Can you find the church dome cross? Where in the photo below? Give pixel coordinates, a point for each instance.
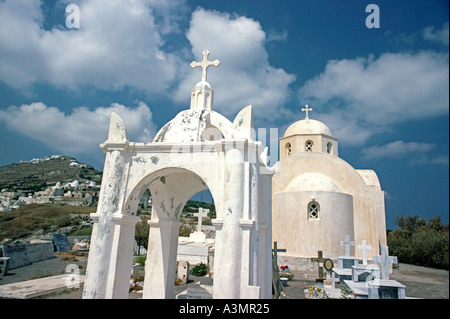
(204, 64)
(306, 109)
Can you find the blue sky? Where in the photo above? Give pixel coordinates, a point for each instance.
(382, 91)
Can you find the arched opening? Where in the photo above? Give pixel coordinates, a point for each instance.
(313, 210)
(288, 149)
(176, 196)
(329, 147)
(309, 146)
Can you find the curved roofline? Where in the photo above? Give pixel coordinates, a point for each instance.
(323, 129)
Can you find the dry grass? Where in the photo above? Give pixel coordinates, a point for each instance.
(27, 219)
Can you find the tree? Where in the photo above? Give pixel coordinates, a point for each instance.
(142, 231)
(417, 242)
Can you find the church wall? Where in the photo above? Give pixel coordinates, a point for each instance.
(303, 237)
(368, 200)
(334, 143)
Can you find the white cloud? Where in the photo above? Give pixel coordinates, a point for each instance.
(413, 153)
(244, 76)
(396, 149)
(430, 159)
(440, 35)
(374, 94)
(80, 132)
(117, 45)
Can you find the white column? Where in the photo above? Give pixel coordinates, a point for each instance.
(228, 243)
(265, 235)
(112, 195)
(121, 257)
(162, 252)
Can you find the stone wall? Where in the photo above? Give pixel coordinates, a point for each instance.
(25, 254)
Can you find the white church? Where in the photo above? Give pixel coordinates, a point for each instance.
(318, 198)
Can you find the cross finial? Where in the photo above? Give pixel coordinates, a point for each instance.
(204, 64)
(306, 109)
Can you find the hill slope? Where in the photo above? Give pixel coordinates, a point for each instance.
(36, 174)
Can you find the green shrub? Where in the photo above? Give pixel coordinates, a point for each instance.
(199, 270)
(141, 260)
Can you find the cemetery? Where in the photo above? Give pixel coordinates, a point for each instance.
(247, 253)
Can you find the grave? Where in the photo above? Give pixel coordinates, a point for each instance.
(386, 289)
(39, 249)
(367, 284)
(194, 252)
(43, 287)
(198, 236)
(319, 260)
(329, 285)
(197, 292)
(25, 254)
(61, 242)
(277, 285)
(4, 261)
(385, 261)
(18, 255)
(363, 273)
(364, 247)
(183, 271)
(345, 263)
(139, 250)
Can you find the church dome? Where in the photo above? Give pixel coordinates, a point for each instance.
(202, 85)
(307, 126)
(312, 182)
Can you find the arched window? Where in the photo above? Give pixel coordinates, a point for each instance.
(309, 146)
(329, 148)
(288, 149)
(313, 210)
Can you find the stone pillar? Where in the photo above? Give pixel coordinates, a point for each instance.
(228, 245)
(162, 252)
(265, 235)
(112, 195)
(121, 257)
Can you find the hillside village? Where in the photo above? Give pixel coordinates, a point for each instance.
(83, 191)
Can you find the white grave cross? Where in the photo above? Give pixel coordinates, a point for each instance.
(347, 243)
(364, 249)
(204, 64)
(384, 259)
(201, 213)
(333, 279)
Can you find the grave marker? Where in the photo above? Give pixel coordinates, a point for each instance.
(198, 236)
(364, 249)
(319, 260)
(183, 271)
(276, 282)
(385, 260)
(61, 242)
(4, 261)
(201, 213)
(347, 243)
(18, 255)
